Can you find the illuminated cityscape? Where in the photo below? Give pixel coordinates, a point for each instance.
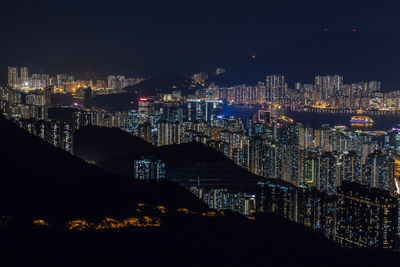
(310, 168)
(200, 134)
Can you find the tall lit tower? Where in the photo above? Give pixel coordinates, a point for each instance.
(12, 76)
(111, 82)
(24, 78)
(276, 88)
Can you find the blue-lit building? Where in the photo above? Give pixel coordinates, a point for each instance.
(203, 110)
(304, 205)
(149, 168)
(223, 199)
(366, 217)
(59, 134)
(279, 197)
(172, 111)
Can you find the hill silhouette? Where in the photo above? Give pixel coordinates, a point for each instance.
(39, 179)
(162, 83)
(357, 56)
(115, 151)
(95, 143)
(182, 241)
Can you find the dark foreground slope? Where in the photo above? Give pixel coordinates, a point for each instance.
(38, 179)
(182, 241)
(115, 150)
(44, 182)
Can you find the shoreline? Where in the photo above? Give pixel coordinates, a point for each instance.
(318, 110)
(382, 121)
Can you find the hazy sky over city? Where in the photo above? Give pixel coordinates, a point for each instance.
(146, 38)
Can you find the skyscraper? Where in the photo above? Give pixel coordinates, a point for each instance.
(378, 171)
(276, 88)
(64, 78)
(13, 76)
(329, 86)
(149, 168)
(199, 110)
(277, 196)
(39, 80)
(24, 78)
(200, 78)
(145, 107)
(47, 94)
(144, 131)
(165, 133)
(88, 101)
(116, 82)
(327, 178)
(366, 217)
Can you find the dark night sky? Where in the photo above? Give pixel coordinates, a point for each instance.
(144, 39)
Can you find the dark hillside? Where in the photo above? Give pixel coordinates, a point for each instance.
(39, 179)
(115, 151)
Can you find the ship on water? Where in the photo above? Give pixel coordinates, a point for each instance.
(361, 120)
(286, 119)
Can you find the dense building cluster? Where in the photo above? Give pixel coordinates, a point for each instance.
(295, 153)
(149, 168)
(366, 217)
(339, 181)
(326, 93)
(18, 78)
(119, 82)
(30, 111)
(223, 199)
(357, 216)
(316, 165)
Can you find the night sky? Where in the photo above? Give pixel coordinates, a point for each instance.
(144, 39)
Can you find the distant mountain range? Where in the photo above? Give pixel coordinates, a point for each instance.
(355, 55)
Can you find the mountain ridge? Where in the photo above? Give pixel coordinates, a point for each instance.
(186, 163)
(163, 83)
(358, 56)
